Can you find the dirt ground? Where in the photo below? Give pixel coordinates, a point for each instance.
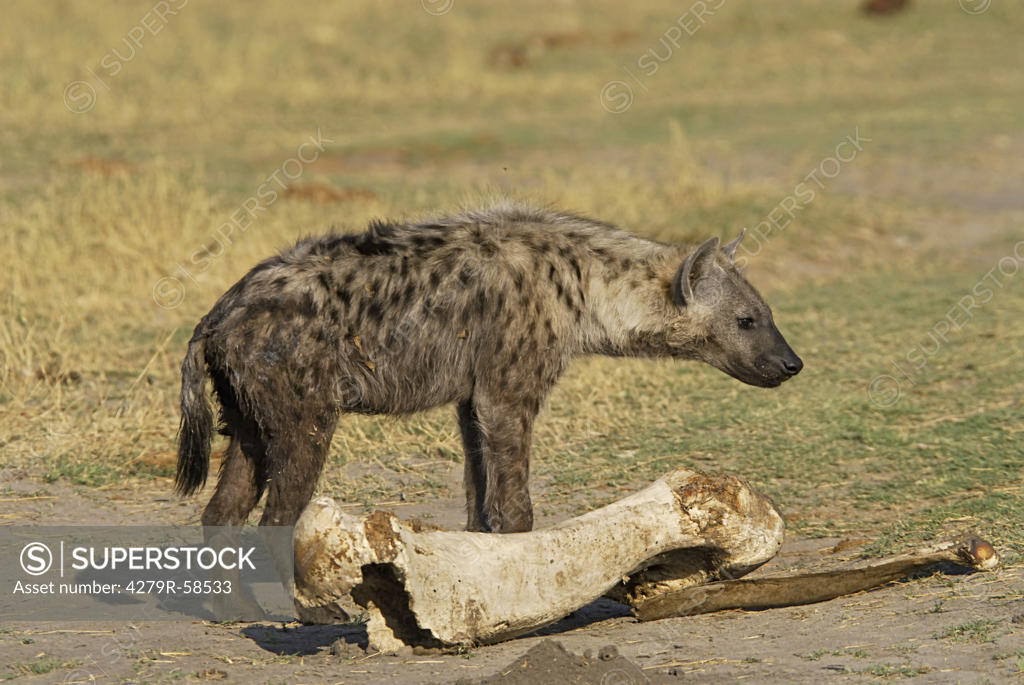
(951, 626)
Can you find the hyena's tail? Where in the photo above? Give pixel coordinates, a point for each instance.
(195, 433)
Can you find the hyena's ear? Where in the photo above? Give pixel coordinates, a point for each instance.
(692, 268)
(730, 248)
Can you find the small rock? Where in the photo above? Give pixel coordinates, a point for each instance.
(1019, 618)
(608, 652)
(341, 648)
(588, 654)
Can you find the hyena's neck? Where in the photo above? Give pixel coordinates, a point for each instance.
(631, 308)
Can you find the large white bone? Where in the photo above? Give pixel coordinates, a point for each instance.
(445, 588)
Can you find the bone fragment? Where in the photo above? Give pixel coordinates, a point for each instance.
(436, 588)
(807, 588)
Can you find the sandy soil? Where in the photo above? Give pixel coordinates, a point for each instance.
(947, 627)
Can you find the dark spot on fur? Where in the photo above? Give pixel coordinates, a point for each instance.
(424, 242)
(375, 312)
(307, 305)
(371, 245)
(383, 229)
(574, 263)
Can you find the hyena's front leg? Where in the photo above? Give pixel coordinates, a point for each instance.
(497, 437)
(475, 479)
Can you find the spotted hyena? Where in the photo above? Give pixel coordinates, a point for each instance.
(483, 309)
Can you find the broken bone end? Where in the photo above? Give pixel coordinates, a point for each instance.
(978, 553)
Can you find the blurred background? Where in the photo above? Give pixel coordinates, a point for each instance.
(151, 153)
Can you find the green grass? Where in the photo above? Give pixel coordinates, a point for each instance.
(979, 631)
(36, 667)
(818, 653)
(903, 671)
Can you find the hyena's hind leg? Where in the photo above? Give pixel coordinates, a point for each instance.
(242, 474)
(296, 457)
(239, 488)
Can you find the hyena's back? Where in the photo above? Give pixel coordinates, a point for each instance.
(406, 317)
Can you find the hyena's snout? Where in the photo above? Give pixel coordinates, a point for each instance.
(790, 363)
(782, 363)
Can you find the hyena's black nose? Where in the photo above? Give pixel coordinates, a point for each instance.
(792, 365)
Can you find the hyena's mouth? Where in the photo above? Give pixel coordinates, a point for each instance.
(772, 372)
(773, 382)
(760, 378)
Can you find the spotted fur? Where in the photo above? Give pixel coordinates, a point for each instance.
(484, 309)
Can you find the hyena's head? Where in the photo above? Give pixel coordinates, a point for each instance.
(737, 333)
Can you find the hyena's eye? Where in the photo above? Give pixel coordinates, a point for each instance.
(746, 323)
